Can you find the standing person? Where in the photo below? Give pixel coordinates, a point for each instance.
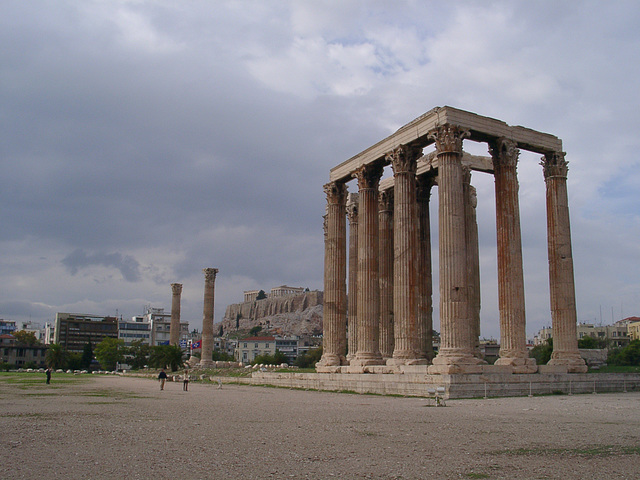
(185, 381)
(162, 376)
(48, 372)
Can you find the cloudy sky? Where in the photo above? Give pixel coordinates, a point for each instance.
(141, 141)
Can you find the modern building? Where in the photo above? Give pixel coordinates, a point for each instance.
(21, 355)
(7, 327)
(74, 330)
(248, 349)
(160, 327)
(288, 346)
(616, 335)
(31, 327)
(138, 328)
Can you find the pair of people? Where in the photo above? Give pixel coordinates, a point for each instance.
(162, 376)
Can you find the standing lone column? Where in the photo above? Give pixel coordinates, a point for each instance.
(368, 352)
(561, 281)
(385, 217)
(456, 351)
(174, 329)
(513, 335)
(335, 288)
(207, 317)
(405, 246)
(352, 306)
(425, 276)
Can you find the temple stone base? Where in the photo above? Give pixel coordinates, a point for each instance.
(519, 364)
(493, 382)
(407, 361)
(207, 364)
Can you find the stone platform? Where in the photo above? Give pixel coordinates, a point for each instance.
(489, 384)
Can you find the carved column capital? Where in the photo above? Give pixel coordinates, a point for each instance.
(385, 201)
(336, 192)
(210, 274)
(554, 165)
(448, 138)
(504, 152)
(352, 208)
(176, 288)
(368, 176)
(404, 159)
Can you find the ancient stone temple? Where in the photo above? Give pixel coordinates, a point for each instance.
(174, 329)
(388, 317)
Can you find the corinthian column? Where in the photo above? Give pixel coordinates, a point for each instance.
(335, 288)
(207, 317)
(405, 245)
(456, 350)
(473, 259)
(368, 352)
(513, 335)
(561, 282)
(174, 332)
(425, 278)
(352, 309)
(385, 217)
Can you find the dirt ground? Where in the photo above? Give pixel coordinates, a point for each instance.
(123, 427)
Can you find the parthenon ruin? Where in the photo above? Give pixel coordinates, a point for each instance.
(387, 322)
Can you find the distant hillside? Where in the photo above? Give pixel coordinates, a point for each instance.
(288, 315)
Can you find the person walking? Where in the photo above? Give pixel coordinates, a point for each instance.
(185, 381)
(162, 376)
(48, 372)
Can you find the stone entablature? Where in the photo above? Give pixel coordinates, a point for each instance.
(281, 291)
(449, 169)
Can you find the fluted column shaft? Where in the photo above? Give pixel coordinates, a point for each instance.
(207, 317)
(473, 259)
(368, 352)
(425, 278)
(405, 245)
(511, 297)
(386, 273)
(561, 280)
(352, 311)
(174, 329)
(456, 349)
(335, 287)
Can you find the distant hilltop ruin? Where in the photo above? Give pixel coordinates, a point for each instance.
(284, 311)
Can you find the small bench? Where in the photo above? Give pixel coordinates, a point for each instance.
(438, 394)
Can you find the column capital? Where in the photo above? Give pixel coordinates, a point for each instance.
(352, 208)
(385, 201)
(210, 274)
(554, 165)
(448, 138)
(368, 176)
(404, 159)
(504, 152)
(336, 192)
(176, 288)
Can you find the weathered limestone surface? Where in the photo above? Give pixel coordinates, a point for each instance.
(425, 275)
(289, 315)
(207, 317)
(386, 273)
(335, 287)
(352, 305)
(174, 329)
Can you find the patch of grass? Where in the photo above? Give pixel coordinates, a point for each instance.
(476, 475)
(590, 451)
(616, 369)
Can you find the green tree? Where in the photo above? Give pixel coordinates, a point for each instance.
(276, 359)
(56, 356)
(309, 359)
(589, 342)
(219, 356)
(109, 352)
(163, 356)
(629, 355)
(87, 356)
(25, 338)
(261, 295)
(74, 361)
(255, 330)
(138, 354)
(542, 353)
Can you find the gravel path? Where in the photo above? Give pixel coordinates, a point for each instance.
(123, 427)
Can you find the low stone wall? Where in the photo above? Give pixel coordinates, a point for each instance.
(456, 386)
